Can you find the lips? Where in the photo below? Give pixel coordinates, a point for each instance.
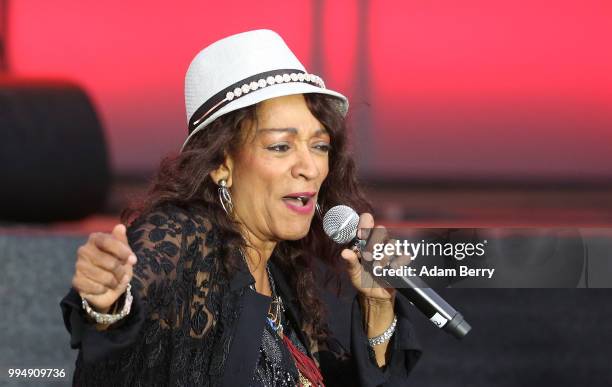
(300, 202)
(299, 199)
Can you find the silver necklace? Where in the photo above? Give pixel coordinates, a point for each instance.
(276, 310)
(275, 313)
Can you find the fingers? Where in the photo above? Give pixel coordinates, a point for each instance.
(84, 285)
(120, 232)
(98, 275)
(102, 268)
(351, 259)
(112, 245)
(378, 235)
(362, 272)
(355, 269)
(401, 260)
(366, 221)
(102, 260)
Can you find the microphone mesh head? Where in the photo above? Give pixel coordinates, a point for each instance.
(340, 224)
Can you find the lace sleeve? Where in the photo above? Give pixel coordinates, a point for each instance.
(170, 280)
(171, 323)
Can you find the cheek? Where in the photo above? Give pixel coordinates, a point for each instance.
(261, 175)
(324, 168)
(270, 171)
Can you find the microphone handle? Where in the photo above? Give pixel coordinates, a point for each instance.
(434, 307)
(419, 294)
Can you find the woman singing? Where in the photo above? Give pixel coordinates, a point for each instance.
(213, 281)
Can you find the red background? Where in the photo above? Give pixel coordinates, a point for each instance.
(476, 89)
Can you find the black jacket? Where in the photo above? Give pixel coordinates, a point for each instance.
(192, 326)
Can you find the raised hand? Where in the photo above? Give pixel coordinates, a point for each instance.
(103, 268)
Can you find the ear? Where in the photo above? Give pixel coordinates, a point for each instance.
(224, 171)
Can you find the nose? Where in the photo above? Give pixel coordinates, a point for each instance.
(305, 165)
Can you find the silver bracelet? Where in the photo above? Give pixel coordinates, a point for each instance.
(103, 318)
(386, 335)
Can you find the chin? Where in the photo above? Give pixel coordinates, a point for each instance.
(294, 231)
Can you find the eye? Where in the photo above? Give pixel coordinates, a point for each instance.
(324, 147)
(278, 148)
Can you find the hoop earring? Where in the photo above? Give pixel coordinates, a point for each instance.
(225, 198)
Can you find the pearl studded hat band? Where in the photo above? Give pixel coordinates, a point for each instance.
(244, 86)
(242, 70)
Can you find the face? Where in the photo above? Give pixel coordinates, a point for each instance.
(277, 173)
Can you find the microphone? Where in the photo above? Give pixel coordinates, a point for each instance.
(340, 224)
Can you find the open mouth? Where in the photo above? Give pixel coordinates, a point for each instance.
(299, 201)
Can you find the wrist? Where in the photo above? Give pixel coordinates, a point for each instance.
(377, 308)
(108, 309)
(376, 301)
(112, 308)
(105, 318)
(378, 314)
(385, 335)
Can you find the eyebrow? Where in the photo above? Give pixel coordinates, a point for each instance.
(290, 130)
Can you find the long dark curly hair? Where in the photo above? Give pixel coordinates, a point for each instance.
(184, 179)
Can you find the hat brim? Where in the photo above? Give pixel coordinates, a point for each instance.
(273, 91)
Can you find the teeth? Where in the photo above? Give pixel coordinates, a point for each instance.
(302, 199)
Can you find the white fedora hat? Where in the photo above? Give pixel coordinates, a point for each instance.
(242, 70)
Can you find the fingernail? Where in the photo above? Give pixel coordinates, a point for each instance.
(132, 259)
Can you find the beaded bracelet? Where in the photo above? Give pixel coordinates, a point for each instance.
(103, 318)
(386, 335)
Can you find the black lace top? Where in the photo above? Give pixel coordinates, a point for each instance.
(191, 325)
